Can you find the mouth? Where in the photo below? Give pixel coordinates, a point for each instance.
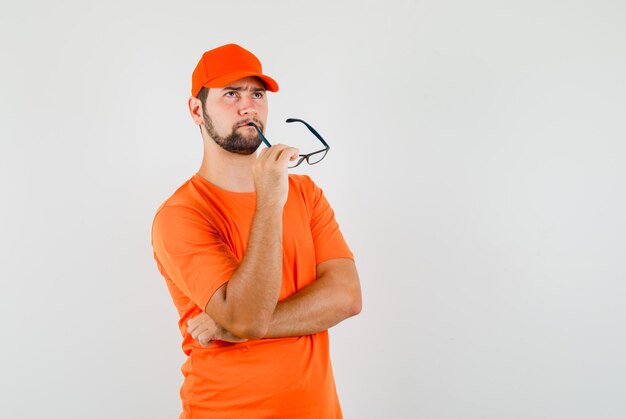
(260, 134)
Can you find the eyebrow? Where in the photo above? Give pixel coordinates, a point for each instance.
(244, 89)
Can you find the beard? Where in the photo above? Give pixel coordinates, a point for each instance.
(234, 142)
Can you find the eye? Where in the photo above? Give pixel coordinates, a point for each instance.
(258, 95)
(230, 94)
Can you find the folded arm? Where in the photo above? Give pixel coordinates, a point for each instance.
(245, 304)
(332, 298)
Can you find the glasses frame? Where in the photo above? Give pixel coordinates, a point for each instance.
(301, 157)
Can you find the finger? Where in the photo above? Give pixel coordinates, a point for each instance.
(194, 334)
(198, 319)
(288, 154)
(192, 327)
(205, 343)
(205, 338)
(273, 153)
(263, 156)
(197, 332)
(198, 326)
(263, 153)
(278, 151)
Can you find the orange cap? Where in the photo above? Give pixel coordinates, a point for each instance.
(225, 64)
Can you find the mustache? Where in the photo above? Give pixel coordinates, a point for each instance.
(247, 121)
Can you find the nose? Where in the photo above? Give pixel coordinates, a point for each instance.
(247, 106)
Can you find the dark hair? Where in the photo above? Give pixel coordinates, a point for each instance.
(202, 95)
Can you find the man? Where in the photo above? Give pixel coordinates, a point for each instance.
(254, 260)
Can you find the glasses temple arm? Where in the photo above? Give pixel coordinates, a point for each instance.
(319, 137)
(261, 136)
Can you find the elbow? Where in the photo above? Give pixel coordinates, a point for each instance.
(253, 332)
(250, 329)
(356, 306)
(355, 300)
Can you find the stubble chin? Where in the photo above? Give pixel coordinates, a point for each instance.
(238, 141)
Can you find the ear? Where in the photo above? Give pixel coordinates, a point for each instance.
(195, 109)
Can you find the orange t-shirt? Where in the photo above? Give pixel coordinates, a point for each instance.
(199, 237)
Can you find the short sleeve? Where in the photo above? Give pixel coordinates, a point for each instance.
(327, 238)
(192, 253)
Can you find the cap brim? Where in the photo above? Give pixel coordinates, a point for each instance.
(222, 81)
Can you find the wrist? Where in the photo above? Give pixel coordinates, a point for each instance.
(269, 208)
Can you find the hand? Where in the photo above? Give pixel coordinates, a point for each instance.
(270, 174)
(204, 329)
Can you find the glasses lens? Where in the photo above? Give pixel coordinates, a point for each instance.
(316, 157)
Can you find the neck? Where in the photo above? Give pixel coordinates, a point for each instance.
(226, 170)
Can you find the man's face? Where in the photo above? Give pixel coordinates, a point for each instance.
(229, 109)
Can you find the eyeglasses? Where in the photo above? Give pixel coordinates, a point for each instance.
(311, 158)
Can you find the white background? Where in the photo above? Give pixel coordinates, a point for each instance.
(476, 171)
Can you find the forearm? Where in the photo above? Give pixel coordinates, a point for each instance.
(310, 311)
(317, 307)
(332, 298)
(246, 304)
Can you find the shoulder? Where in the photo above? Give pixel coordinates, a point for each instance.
(179, 206)
(308, 191)
(302, 182)
(303, 186)
(181, 196)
